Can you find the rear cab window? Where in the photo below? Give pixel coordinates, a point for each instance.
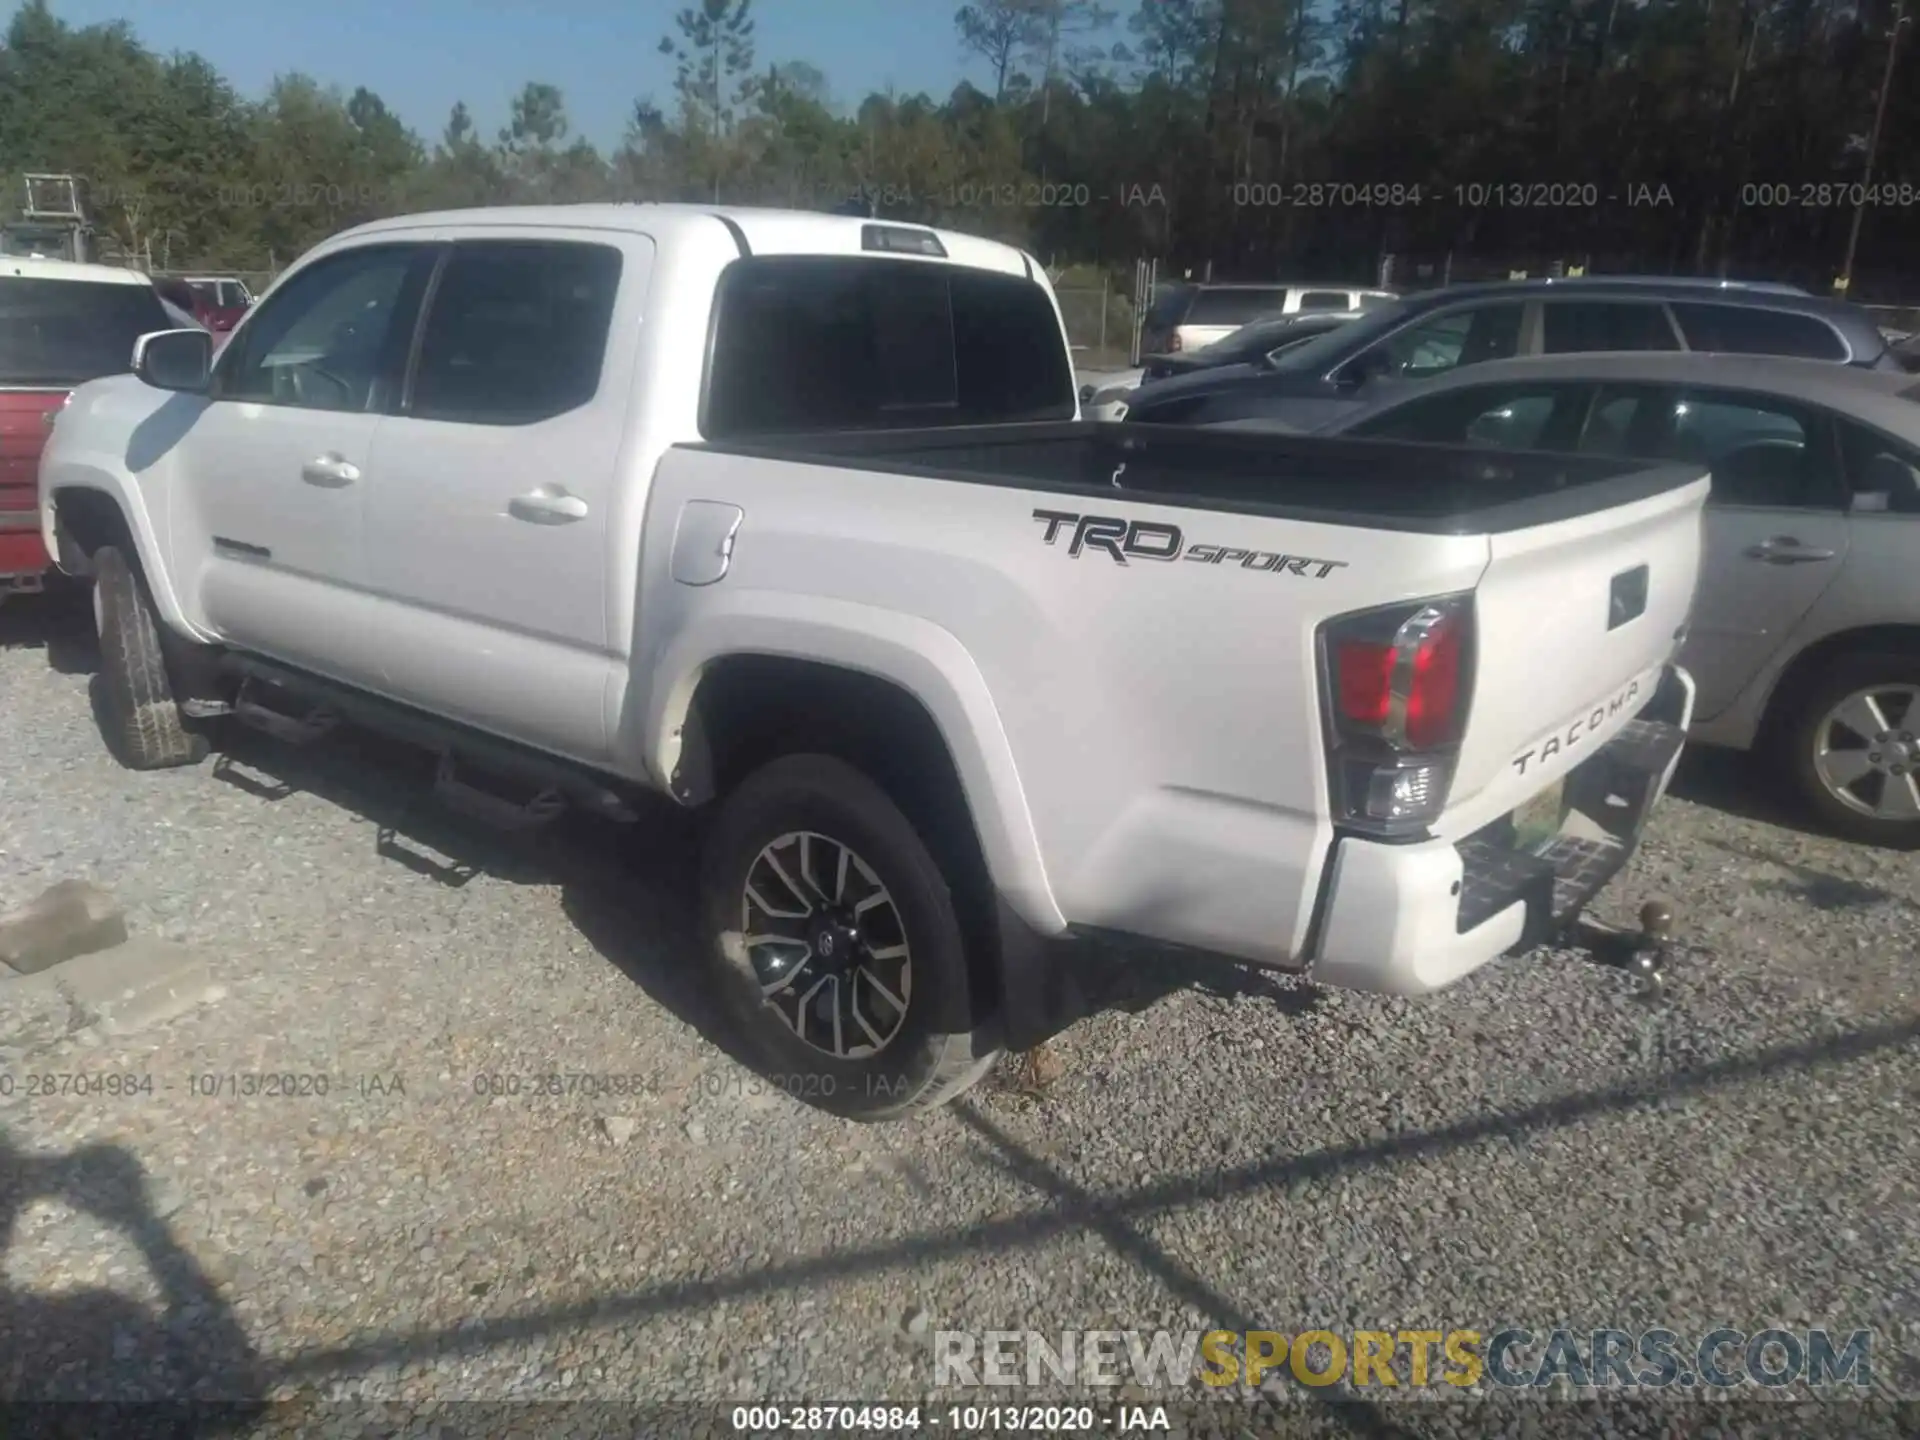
(1571, 327)
(1753, 330)
(806, 343)
(1325, 300)
(63, 333)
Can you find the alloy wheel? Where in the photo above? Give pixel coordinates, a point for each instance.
(828, 945)
(1866, 753)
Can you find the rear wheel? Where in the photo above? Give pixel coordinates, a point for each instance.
(835, 942)
(1854, 749)
(139, 714)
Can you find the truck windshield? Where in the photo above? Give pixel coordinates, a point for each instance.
(62, 333)
(807, 343)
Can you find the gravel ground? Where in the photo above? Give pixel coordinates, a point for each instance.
(1536, 1147)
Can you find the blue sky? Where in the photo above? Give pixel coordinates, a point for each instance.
(421, 56)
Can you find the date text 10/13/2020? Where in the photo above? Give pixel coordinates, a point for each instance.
(955, 1419)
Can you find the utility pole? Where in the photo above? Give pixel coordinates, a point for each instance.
(1900, 21)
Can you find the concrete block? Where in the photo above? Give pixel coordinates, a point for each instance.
(140, 983)
(68, 919)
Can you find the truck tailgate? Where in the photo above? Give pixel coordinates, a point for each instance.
(1574, 621)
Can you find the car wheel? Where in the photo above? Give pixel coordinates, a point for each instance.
(141, 721)
(1855, 749)
(835, 944)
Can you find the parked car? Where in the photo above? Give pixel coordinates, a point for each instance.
(222, 300)
(1105, 397)
(1806, 635)
(946, 689)
(61, 324)
(1184, 317)
(1421, 336)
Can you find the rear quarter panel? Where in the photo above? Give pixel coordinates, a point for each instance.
(1140, 742)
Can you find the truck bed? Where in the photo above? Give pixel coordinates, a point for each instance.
(1377, 484)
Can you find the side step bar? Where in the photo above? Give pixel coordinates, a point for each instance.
(466, 756)
(250, 710)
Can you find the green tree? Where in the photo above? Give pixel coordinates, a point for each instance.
(713, 74)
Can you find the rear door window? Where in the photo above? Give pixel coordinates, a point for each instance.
(1761, 451)
(1576, 326)
(1234, 307)
(1626, 420)
(1753, 330)
(811, 343)
(517, 331)
(1877, 465)
(62, 333)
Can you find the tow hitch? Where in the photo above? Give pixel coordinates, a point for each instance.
(1644, 953)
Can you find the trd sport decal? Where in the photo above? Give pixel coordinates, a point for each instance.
(1122, 540)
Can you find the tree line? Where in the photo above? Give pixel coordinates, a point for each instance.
(1245, 138)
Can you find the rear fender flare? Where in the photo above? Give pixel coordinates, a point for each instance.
(927, 661)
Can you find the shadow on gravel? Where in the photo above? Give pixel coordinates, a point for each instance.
(1062, 1208)
(59, 622)
(187, 1370)
(630, 889)
(1739, 784)
(1815, 888)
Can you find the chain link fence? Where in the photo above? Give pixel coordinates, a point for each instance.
(1099, 325)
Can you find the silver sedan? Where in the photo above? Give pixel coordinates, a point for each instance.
(1805, 639)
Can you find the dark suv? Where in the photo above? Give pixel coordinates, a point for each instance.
(1423, 335)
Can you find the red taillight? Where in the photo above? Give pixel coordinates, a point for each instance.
(1397, 686)
(1363, 680)
(1433, 692)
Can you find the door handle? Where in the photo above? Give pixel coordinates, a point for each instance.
(549, 505)
(1786, 550)
(329, 472)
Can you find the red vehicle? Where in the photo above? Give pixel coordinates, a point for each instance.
(61, 324)
(219, 301)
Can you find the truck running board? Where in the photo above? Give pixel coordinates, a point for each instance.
(250, 710)
(490, 808)
(522, 788)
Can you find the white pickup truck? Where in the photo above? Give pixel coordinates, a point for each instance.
(792, 516)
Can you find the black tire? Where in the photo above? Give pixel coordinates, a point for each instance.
(941, 1047)
(142, 721)
(1800, 731)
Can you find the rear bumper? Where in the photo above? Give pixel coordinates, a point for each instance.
(1410, 919)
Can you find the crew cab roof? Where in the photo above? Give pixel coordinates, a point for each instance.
(742, 229)
(32, 267)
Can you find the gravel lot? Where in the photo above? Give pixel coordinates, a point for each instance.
(1537, 1146)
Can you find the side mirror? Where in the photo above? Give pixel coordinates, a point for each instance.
(1086, 394)
(175, 360)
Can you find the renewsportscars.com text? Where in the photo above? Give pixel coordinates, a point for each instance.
(1658, 1359)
